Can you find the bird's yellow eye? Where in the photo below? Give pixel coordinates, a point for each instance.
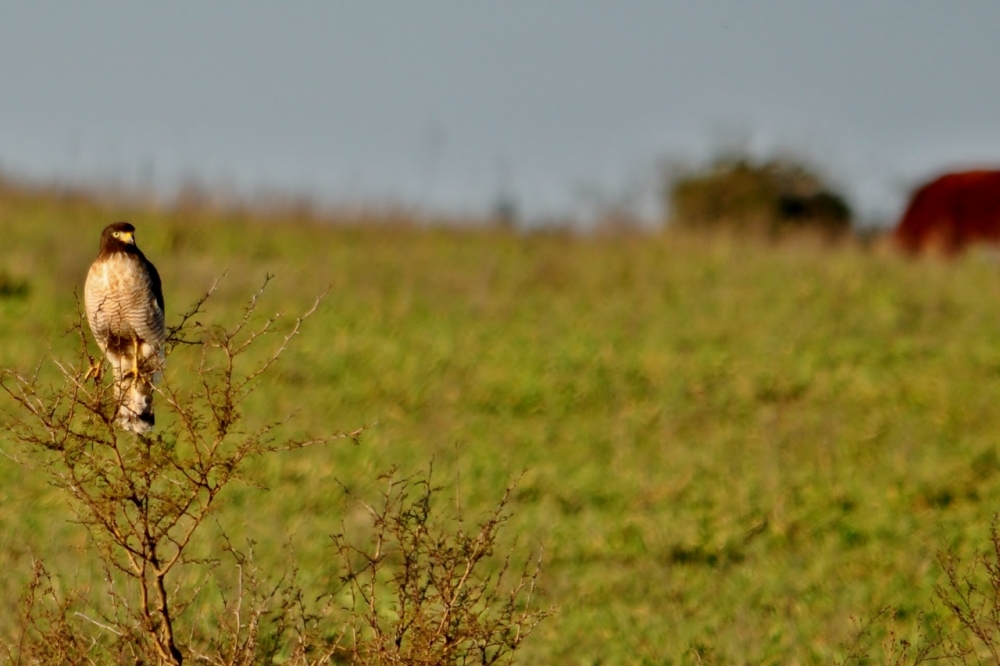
(115, 234)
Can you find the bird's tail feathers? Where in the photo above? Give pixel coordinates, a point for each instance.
(134, 397)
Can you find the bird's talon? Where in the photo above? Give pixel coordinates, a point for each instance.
(94, 371)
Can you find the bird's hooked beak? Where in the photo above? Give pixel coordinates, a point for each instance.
(127, 237)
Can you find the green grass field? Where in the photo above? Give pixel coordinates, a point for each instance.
(730, 449)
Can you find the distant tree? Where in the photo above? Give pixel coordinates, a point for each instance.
(765, 197)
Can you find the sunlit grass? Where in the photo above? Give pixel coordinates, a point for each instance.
(731, 448)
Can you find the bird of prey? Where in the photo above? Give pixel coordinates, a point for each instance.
(124, 303)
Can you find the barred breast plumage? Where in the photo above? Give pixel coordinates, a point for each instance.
(124, 304)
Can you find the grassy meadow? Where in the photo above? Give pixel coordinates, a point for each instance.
(730, 450)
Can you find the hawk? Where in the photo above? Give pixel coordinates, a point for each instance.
(124, 303)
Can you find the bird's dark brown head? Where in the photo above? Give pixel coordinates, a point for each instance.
(118, 237)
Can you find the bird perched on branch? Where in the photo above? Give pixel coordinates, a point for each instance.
(124, 303)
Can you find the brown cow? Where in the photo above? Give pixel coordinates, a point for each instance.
(951, 212)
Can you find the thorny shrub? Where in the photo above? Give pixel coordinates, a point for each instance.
(420, 595)
(421, 591)
(965, 630)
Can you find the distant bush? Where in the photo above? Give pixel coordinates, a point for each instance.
(744, 195)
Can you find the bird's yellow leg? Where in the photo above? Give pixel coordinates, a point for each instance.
(135, 358)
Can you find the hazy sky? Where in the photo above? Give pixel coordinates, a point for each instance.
(448, 105)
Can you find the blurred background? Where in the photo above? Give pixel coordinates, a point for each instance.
(697, 414)
(539, 112)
